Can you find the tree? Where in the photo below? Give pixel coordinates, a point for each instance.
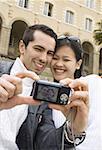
(98, 33)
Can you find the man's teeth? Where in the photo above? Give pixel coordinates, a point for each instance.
(39, 65)
(59, 70)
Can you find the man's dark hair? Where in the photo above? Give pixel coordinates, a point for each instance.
(29, 32)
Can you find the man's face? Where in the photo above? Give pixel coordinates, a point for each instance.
(38, 53)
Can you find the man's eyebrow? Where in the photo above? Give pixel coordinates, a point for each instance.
(38, 46)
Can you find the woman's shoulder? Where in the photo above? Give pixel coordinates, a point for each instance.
(93, 79)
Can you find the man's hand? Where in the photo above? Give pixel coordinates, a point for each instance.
(10, 86)
(78, 107)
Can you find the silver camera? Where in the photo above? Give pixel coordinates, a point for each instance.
(51, 92)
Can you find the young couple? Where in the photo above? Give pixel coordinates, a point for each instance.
(38, 48)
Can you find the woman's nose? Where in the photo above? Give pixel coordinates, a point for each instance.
(59, 63)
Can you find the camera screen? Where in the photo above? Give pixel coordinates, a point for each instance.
(47, 93)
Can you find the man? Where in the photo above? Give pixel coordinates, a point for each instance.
(35, 54)
(36, 51)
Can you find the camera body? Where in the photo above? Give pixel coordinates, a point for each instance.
(51, 92)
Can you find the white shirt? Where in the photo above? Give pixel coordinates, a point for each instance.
(93, 140)
(12, 119)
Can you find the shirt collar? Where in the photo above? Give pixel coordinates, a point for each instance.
(18, 67)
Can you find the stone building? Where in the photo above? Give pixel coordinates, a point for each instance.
(76, 17)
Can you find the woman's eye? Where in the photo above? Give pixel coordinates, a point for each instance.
(66, 59)
(55, 58)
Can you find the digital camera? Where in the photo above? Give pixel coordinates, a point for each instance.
(51, 92)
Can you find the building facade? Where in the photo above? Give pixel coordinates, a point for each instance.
(76, 17)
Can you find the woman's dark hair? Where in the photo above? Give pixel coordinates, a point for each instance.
(29, 33)
(75, 44)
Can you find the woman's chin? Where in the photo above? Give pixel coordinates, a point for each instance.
(58, 78)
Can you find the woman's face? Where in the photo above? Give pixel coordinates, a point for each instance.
(64, 63)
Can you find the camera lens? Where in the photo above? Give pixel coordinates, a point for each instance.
(64, 98)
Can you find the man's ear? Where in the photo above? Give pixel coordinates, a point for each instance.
(79, 64)
(22, 47)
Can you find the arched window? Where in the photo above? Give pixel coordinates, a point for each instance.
(87, 57)
(18, 28)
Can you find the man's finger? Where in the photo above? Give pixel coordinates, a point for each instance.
(28, 74)
(25, 100)
(6, 87)
(3, 94)
(19, 100)
(17, 82)
(13, 79)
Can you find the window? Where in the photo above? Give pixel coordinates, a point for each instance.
(90, 3)
(48, 9)
(69, 17)
(23, 3)
(88, 24)
(86, 59)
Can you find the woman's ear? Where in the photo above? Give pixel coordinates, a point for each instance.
(22, 47)
(79, 64)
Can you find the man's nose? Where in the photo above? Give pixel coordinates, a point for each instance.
(43, 57)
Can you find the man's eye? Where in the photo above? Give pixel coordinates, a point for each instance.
(37, 49)
(50, 53)
(54, 58)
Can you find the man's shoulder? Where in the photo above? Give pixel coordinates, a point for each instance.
(6, 62)
(5, 66)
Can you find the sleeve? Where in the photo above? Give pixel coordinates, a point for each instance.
(94, 129)
(71, 138)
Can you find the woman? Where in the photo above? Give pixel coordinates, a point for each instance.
(67, 59)
(67, 63)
